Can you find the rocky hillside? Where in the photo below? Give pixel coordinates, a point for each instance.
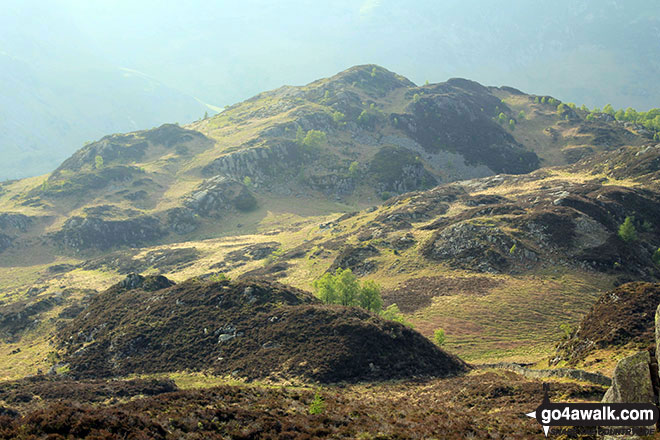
(362, 135)
(246, 329)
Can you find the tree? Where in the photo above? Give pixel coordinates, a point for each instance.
(609, 109)
(343, 288)
(98, 162)
(247, 181)
(521, 115)
(439, 337)
(348, 288)
(353, 168)
(318, 405)
(338, 117)
(369, 296)
(512, 124)
(627, 230)
(326, 289)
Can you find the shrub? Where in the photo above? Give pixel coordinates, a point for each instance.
(393, 313)
(247, 181)
(338, 117)
(354, 168)
(512, 124)
(218, 277)
(627, 231)
(314, 139)
(98, 162)
(521, 115)
(439, 337)
(318, 405)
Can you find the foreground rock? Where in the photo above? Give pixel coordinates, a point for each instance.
(632, 381)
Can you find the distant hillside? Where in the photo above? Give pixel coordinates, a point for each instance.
(362, 135)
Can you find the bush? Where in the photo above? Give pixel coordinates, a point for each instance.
(314, 139)
(439, 337)
(393, 313)
(627, 231)
(98, 162)
(318, 405)
(354, 168)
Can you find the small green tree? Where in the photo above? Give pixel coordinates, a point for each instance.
(318, 405)
(348, 288)
(338, 117)
(314, 139)
(98, 162)
(326, 289)
(521, 115)
(439, 337)
(353, 168)
(627, 231)
(373, 72)
(512, 124)
(247, 181)
(369, 296)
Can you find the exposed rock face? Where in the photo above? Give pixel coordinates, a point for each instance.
(260, 163)
(456, 116)
(632, 381)
(93, 233)
(220, 194)
(19, 222)
(568, 224)
(356, 259)
(182, 220)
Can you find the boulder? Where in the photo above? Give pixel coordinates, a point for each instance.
(632, 381)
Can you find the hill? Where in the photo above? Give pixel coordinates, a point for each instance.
(289, 185)
(247, 329)
(620, 318)
(362, 135)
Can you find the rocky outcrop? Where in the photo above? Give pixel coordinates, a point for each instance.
(260, 163)
(220, 194)
(129, 148)
(81, 234)
(457, 116)
(18, 222)
(356, 259)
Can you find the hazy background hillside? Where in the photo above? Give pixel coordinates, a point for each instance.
(74, 71)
